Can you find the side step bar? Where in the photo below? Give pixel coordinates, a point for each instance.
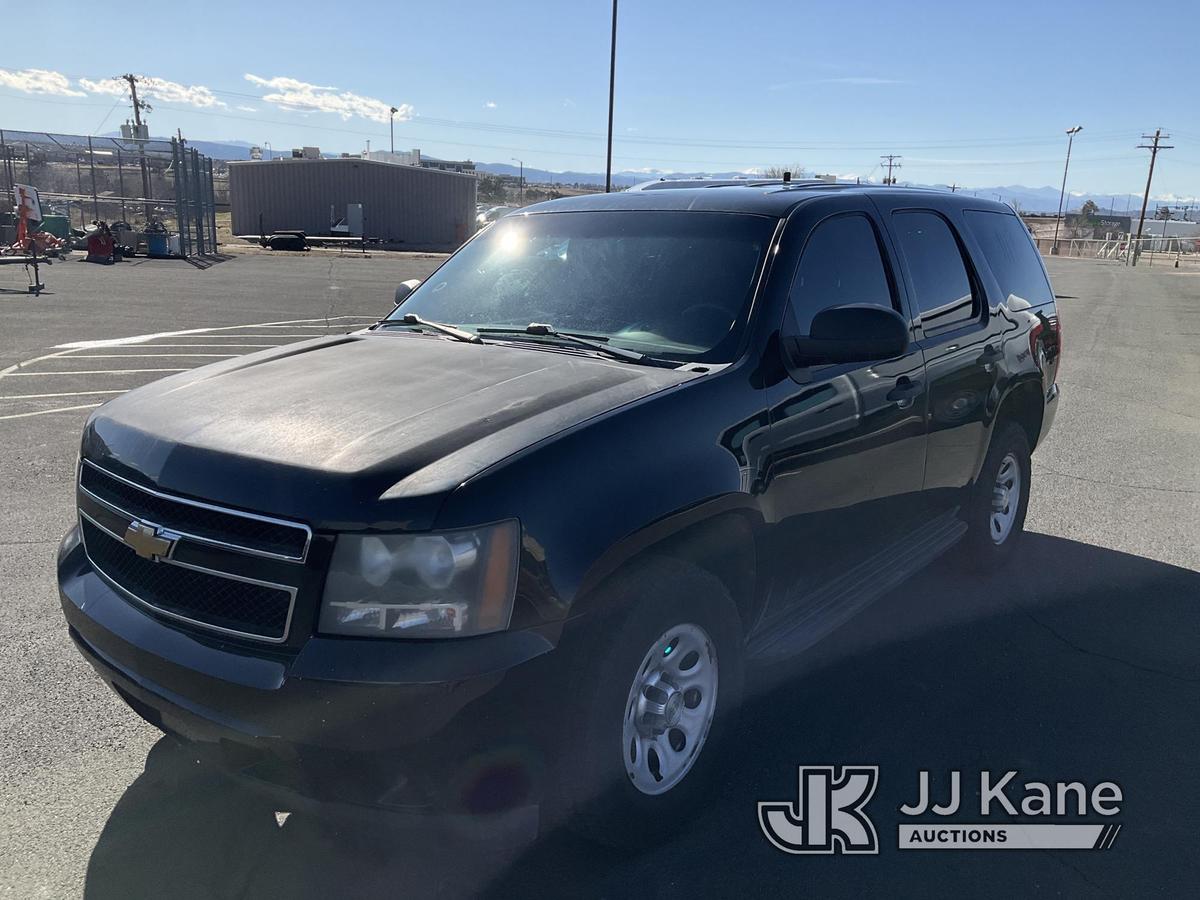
(808, 619)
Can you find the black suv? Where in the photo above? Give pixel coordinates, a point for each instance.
(509, 552)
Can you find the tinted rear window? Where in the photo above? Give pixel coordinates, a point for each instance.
(1011, 255)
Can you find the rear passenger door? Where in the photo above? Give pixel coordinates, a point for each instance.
(959, 337)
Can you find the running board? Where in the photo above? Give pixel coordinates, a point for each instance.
(808, 619)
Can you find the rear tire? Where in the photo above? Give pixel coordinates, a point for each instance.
(653, 702)
(996, 512)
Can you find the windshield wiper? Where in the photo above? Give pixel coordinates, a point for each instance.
(540, 329)
(413, 319)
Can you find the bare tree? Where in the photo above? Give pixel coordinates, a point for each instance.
(796, 170)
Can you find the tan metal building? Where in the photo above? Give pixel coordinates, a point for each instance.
(405, 206)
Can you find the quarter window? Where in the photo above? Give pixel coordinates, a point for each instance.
(841, 264)
(935, 264)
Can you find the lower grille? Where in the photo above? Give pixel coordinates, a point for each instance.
(214, 601)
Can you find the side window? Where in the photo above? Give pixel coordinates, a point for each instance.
(1011, 255)
(935, 264)
(841, 264)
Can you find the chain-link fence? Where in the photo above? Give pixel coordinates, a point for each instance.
(152, 186)
(1171, 250)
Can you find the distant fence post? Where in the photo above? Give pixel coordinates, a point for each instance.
(199, 200)
(180, 189)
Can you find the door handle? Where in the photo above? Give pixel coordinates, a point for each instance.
(904, 392)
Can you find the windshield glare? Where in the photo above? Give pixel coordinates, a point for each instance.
(669, 284)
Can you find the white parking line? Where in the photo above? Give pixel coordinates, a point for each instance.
(90, 372)
(4, 373)
(151, 355)
(46, 412)
(201, 340)
(66, 394)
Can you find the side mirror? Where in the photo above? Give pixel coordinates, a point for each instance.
(858, 332)
(405, 288)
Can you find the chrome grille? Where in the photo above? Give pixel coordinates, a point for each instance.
(207, 575)
(202, 521)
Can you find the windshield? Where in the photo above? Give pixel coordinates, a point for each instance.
(675, 285)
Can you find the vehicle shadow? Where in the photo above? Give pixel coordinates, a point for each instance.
(1078, 664)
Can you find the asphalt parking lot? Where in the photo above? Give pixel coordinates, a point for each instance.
(1080, 663)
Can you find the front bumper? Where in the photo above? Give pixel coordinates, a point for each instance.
(412, 725)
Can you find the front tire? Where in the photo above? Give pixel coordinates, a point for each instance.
(999, 501)
(655, 698)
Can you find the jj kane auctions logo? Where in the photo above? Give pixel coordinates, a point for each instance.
(829, 814)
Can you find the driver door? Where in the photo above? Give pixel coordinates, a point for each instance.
(847, 440)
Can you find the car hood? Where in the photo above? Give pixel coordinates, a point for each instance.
(365, 430)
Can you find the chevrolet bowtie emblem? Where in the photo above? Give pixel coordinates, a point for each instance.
(148, 541)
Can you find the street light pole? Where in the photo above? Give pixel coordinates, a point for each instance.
(612, 86)
(270, 150)
(392, 126)
(521, 163)
(1071, 132)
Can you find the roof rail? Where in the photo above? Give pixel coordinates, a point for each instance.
(692, 183)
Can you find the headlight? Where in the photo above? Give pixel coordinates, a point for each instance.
(449, 584)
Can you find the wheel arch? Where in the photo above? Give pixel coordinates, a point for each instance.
(1022, 403)
(1025, 405)
(723, 543)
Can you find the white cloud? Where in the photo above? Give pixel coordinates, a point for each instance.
(301, 96)
(150, 88)
(247, 109)
(490, 104)
(39, 81)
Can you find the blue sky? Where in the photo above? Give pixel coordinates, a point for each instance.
(967, 92)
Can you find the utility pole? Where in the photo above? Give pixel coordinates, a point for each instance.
(612, 88)
(138, 106)
(1158, 137)
(521, 163)
(891, 164)
(1071, 132)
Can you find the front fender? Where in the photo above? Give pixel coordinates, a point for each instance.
(596, 496)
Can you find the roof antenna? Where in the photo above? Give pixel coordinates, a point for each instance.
(787, 177)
